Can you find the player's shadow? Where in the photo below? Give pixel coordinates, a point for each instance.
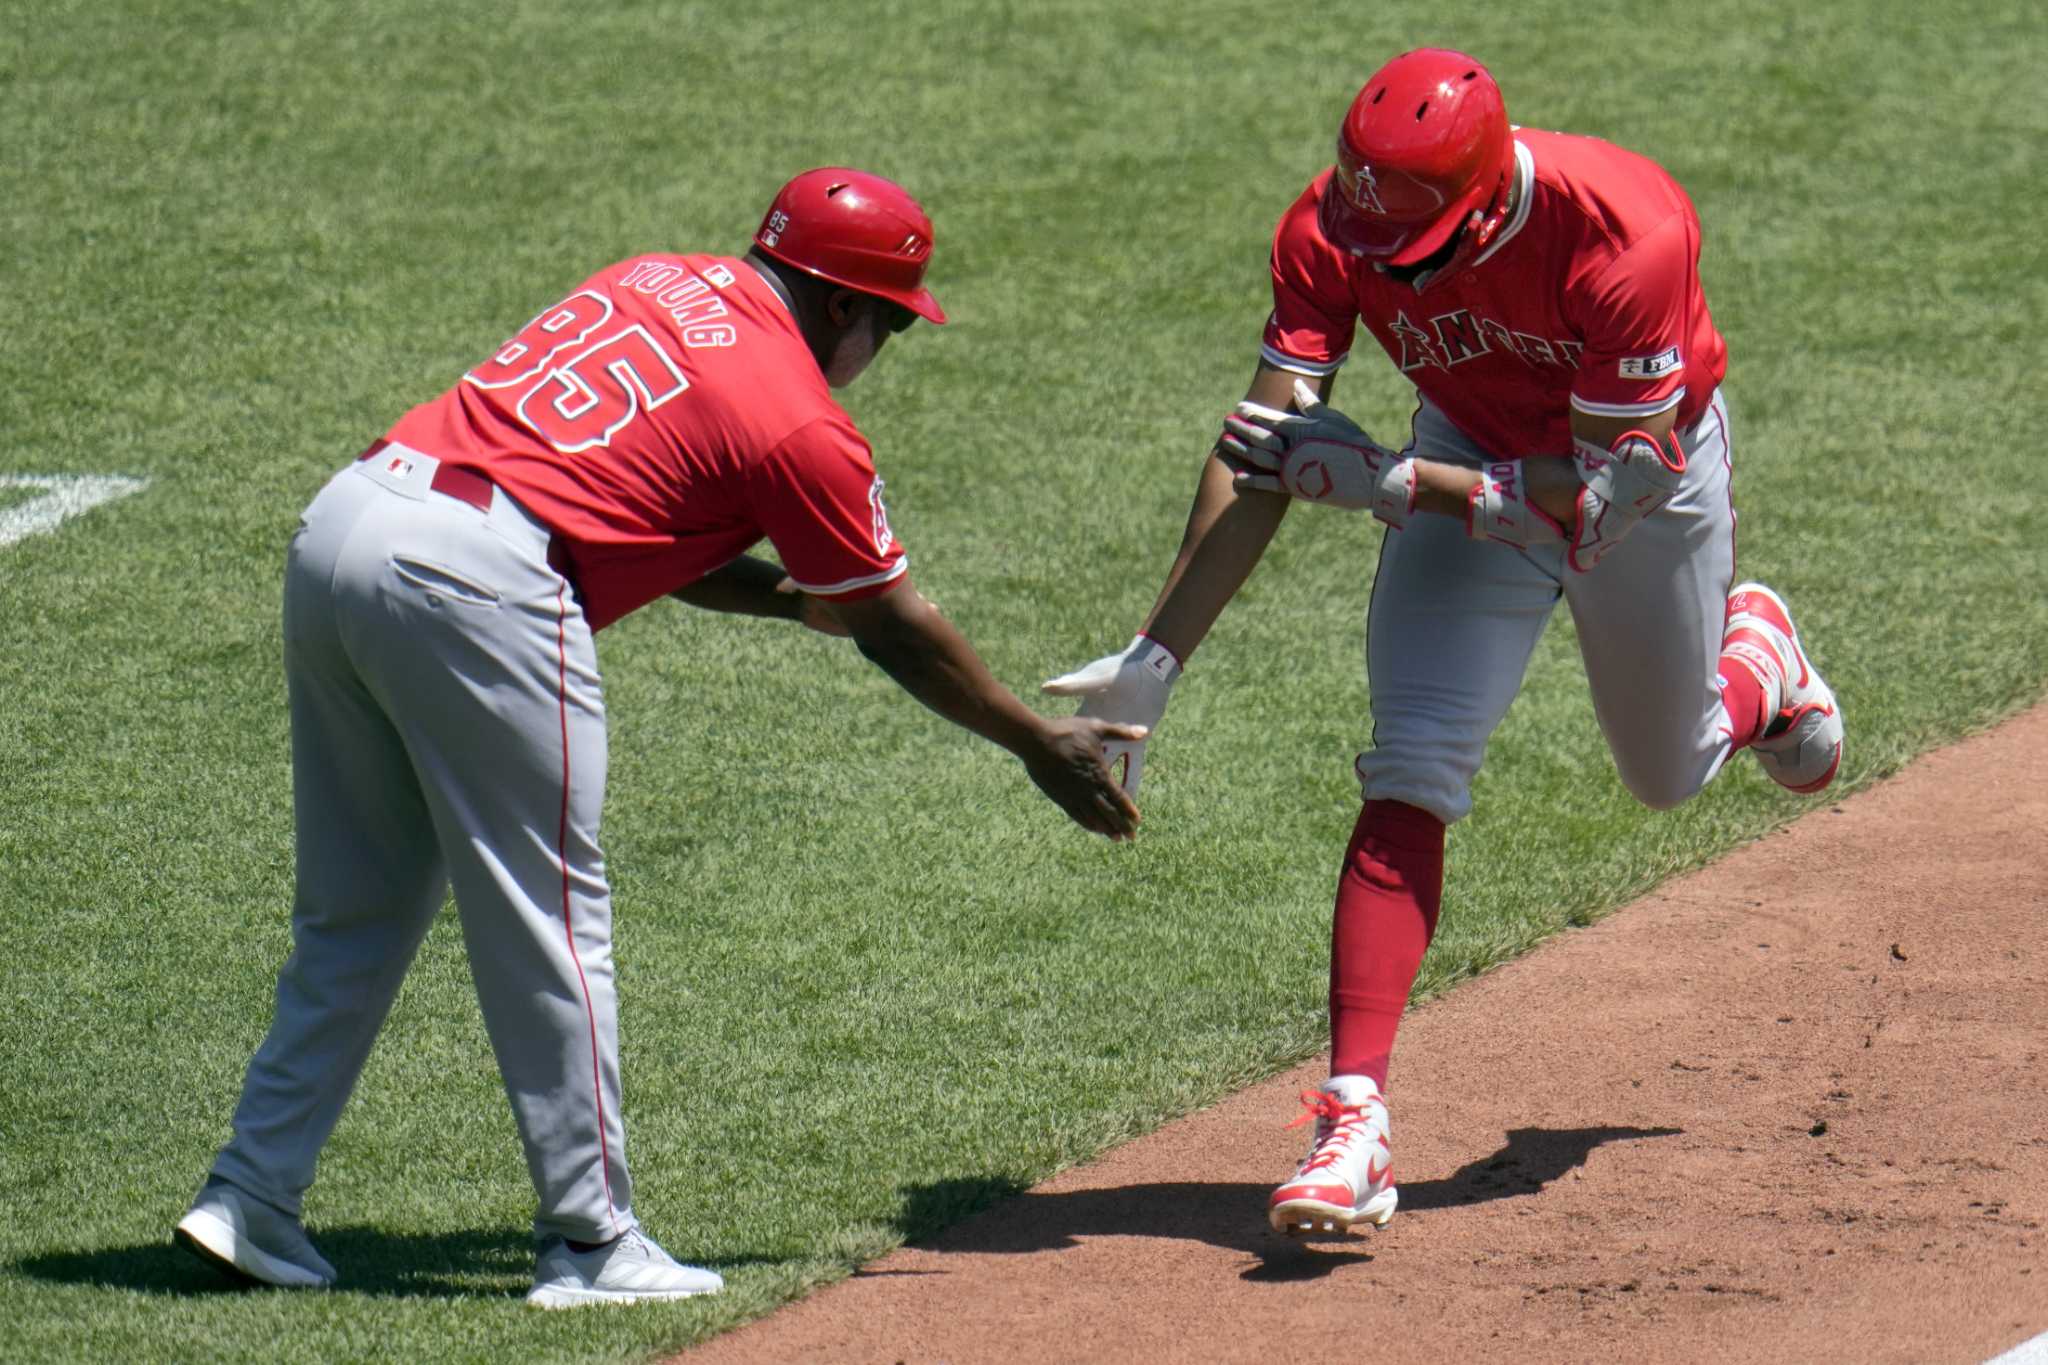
(370, 1261)
(1006, 1218)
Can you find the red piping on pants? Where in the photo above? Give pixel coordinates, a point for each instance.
(604, 1169)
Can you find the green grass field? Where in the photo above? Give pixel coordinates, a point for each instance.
(870, 981)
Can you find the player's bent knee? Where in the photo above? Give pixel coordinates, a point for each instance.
(1662, 791)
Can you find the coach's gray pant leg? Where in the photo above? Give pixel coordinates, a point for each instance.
(1448, 639)
(369, 881)
(1649, 620)
(491, 690)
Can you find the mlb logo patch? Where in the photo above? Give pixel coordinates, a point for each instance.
(1645, 367)
(398, 467)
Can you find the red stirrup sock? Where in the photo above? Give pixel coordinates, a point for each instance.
(1745, 699)
(1387, 901)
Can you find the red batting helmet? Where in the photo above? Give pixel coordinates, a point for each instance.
(1424, 151)
(854, 229)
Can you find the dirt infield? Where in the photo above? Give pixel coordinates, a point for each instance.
(1792, 1107)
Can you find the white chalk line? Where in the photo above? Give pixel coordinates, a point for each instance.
(2034, 1352)
(64, 496)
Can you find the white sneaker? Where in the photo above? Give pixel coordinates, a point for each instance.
(1348, 1175)
(238, 1232)
(1801, 747)
(628, 1269)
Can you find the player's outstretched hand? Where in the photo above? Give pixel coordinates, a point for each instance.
(1072, 768)
(1130, 686)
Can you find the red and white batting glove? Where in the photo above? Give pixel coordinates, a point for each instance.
(1131, 687)
(1319, 455)
(1624, 483)
(1498, 508)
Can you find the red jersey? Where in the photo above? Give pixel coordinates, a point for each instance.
(1590, 298)
(661, 419)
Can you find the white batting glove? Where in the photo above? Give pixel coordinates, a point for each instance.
(1624, 483)
(1130, 687)
(1318, 455)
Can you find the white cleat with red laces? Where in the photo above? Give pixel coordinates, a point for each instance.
(1348, 1175)
(1801, 747)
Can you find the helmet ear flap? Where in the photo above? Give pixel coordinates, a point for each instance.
(1489, 218)
(1480, 229)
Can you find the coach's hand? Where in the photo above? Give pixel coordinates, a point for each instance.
(1072, 766)
(907, 638)
(1130, 687)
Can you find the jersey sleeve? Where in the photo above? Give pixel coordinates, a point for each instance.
(1314, 314)
(1636, 314)
(818, 498)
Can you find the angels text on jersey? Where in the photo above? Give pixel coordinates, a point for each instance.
(1459, 335)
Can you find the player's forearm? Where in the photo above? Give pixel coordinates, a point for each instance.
(1446, 489)
(746, 586)
(1227, 534)
(1443, 488)
(921, 651)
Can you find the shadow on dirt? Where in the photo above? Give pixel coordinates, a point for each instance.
(1227, 1214)
(1531, 1159)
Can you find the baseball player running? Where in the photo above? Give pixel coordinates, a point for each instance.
(447, 716)
(1570, 441)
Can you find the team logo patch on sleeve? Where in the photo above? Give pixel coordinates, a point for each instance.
(1650, 366)
(884, 538)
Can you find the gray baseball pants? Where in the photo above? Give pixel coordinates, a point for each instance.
(447, 725)
(1454, 621)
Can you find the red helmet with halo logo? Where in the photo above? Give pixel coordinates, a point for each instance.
(1424, 152)
(854, 229)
